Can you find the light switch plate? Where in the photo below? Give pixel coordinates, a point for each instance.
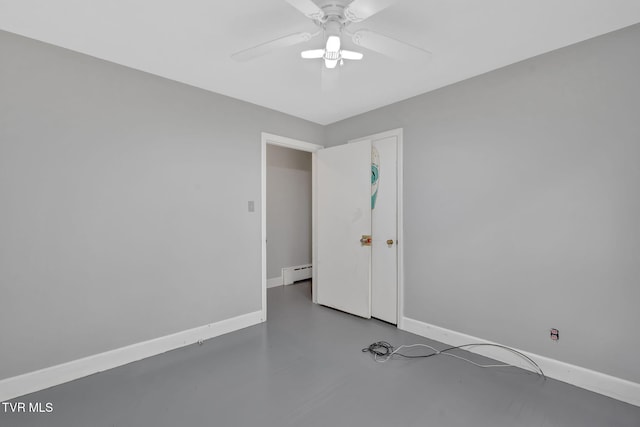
(251, 205)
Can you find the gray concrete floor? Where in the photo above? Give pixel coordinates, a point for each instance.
(304, 367)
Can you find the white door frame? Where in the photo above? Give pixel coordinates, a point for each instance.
(283, 141)
(398, 134)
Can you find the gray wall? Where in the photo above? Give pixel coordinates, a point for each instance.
(288, 209)
(123, 205)
(522, 203)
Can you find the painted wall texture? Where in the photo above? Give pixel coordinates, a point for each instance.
(124, 205)
(521, 203)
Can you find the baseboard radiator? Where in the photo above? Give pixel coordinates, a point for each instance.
(295, 274)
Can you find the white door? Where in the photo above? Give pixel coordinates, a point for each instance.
(343, 263)
(384, 229)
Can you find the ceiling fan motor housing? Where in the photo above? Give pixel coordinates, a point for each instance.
(335, 11)
(332, 28)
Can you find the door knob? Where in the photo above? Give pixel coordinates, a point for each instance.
(390, 242)
(366, 240)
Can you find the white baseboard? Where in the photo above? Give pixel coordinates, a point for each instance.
(276, 281)
(31, 382)
(598, 382)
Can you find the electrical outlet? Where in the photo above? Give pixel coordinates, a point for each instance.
(554, 334)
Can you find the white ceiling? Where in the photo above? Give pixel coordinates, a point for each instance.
(191, 40)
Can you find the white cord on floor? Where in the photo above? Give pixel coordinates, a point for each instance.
(381, 358)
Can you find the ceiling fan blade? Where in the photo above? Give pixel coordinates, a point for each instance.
(388, 46)
(264, 48)
(348, 54)
(308, 8)
(359, 10)
(312, 54)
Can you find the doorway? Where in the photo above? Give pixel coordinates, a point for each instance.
(270, 142)
(288, 215)
(318, 151)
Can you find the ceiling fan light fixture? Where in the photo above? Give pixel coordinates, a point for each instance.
(348, 54)
(333, 44)
(312, 54)
(330, 63)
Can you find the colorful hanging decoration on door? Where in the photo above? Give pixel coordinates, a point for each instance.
(375, 175)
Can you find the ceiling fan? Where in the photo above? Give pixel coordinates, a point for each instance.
(333, 18)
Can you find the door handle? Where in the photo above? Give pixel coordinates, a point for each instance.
(366, 240)
(390, 242)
